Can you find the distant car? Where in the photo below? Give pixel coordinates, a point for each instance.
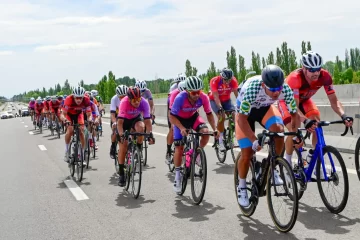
(24, 112)
(10, 115)
(4, 115)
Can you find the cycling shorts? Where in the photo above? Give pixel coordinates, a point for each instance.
(195, 122)
(307, 107)
(228, 106)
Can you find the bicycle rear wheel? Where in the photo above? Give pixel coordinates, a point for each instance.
(200, 174)
(145, 147)
(357, 152)
(172, 165)
(334, 176)
(184, 176)
(288, 202)
(128, 169)
(300, 176)
(72, 159)
(247, 211)
(87, 154)
(136, 174)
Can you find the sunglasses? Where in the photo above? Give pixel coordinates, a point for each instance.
(78, 98)
(277, 89)
(312, 70)
(194, 93)
(142, 91)
(136, 100)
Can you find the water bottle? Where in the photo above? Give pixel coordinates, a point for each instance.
(308, 158)
(188, 157)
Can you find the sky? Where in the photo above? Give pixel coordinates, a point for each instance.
(45, 42)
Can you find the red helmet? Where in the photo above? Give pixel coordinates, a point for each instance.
(133, 92)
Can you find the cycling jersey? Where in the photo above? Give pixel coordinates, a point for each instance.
(173, 87)
(32, 105)
(127, 111)
(54, 106)
(172, 97)
(71, 107)
(46, 106)
(114, 105)
(303, 90)
(184, 109)
(39, 108)
(252, 95)
(217, 84)
(147, 94)
(94, 110)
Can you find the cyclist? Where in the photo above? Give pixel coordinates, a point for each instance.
(180, 87)
(38, 109)
(255, 103)
(305, 82)
(221, 88)
(184, 115)
(46, 110)
(31, 107)
(72, 114)
(146, 93)
(54, 107)
(170, 135)
(121, 92)
(95, 94)
(134, 114)
(96, 116)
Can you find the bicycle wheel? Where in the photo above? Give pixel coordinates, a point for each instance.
(221, 155)
(172, 165)
(72, 159)
(230, 142)
(201, 174)
(136, 174)
(145, 147)
(80, 165)
(357, 152)
(116, 162)
(334, 176)
(58, 129)
(87, 154)
(97, 134)
(184, 175)
(247, 211)
(300, 176)
(127, 169)
(288, 203)
(93, 148)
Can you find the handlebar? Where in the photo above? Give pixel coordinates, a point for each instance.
(267, 133)
(327, 123)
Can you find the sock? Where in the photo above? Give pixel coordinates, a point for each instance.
(221, 138)
(177, 173)
(169, 148)
(121, 169)
(94, 140)
(66, 147)
(113, 144)
(242, 183)
(288, 158)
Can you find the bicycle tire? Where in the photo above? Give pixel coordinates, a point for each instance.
(230, 141)
(93, 148)
(80, 165)
(357, 152)
(136, 170)
(172, 165)
(97, 135)
(342, 205)
(145, 147)
(71, 160)
(87, 154)
(301, 182)
(197, 199)
(127, 170)
(116, 162)
(247, 211)
(184, 176)
(289, 225)
(217, 151)
(58, 129)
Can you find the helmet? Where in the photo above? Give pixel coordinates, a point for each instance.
(311, 59)
(226, 74)
(91, 98)
(59, 97)
(32, 99)
(39, 100)
(79, 92)
(48, 98)
(182, 86)
(133, 92)
(141, 85)
(193, 83)
(272, 76)
(54, 98)
(65, 96)
(94, 93)
(180, 78)
(121, 90)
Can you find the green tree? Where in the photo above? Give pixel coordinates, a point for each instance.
(211, 72)
(292, 60)
(232, 60)
(338, 63)
(347, 59)
(330, 67)
(254, 63)
(270, 58)
(303, 47)
(242, 69)
(348, 75)
(336, 76)
(188, 68)
(81, 83)
(278, 57)
(66, 88)
(263, 62)
(308, 46)
(285, 64)
(194, 71)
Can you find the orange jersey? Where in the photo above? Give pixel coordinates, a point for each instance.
(217, 84)
(303, 90)
(72, 108)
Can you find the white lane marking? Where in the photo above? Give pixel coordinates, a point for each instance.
(76, 190)
(294, 160)
(31, 133)
(106, 123)
(26, 126)
(42, 147)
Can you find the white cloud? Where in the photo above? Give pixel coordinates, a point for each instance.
(69, 47)
(3, 53)
(128, 42)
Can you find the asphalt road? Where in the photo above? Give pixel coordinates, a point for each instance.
(39, 201)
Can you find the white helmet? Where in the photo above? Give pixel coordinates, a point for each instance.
(194, 83)
(311, 59)
(32, 99)
(121, 90)
(141, 85)
(182, 86)
(79, 92)
(180, 78)
(94, 93)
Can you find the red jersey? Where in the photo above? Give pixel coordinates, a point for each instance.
(217, 84)
(303, 90)
(39, 107)
(54, 105)
(72, 108)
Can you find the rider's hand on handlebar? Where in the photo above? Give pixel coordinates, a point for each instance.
(216, 134)
(348, 121)
(256, 146)
(183, 132)
(310, 125)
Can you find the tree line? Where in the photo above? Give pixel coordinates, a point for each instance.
(343, 71)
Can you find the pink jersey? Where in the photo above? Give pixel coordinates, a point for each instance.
(126, 110)
(172, 97)
(184, 109)
(32, 105)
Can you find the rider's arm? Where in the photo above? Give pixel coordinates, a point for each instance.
(336, 104)
(208, 111)
(120, 123)
(148, 125)
(214, 90)
(211, 120)
(175, 109)
(216, 98)
(113, 107)
(145, 109)
(235, 86)
(291, 106)
(152, 107)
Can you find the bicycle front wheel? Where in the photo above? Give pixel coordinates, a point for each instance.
(230, 140)
(145, 147)
(337, 183)
(80, 165)
(357, 153)
(136, 174)
(283, 206)
(198, 176)
(72, 159)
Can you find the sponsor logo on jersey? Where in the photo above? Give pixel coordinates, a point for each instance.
(293, 104)
(245, 106)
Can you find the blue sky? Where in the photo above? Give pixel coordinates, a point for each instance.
(44, 42)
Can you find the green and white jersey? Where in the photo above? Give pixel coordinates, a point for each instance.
(252, 95)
